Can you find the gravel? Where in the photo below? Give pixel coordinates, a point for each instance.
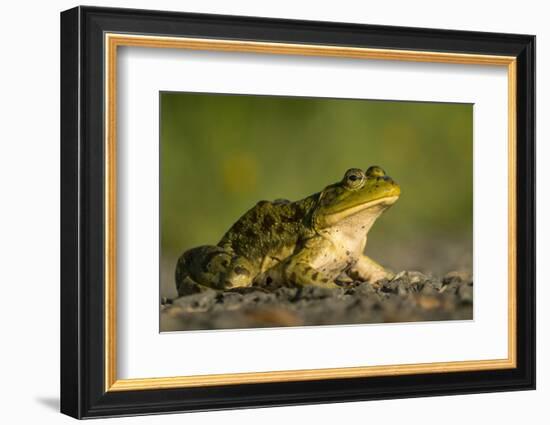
(409, 297)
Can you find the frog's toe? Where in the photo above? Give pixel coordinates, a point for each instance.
(264, 281)
(188, 286)
(240, 273)
(248, 289)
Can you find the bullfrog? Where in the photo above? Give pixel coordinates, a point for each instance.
(319, 240)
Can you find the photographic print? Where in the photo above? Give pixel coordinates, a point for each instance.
(295, 211)
(226, 180)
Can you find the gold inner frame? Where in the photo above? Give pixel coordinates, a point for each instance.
(113, 41)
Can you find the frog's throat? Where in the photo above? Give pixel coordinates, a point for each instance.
(338, 216)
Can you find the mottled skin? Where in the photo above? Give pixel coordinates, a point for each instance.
(318, 240)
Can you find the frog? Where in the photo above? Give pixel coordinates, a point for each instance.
(319, 240)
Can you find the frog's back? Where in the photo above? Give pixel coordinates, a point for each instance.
(268, 227)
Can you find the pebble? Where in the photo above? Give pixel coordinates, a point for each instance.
(409, 296)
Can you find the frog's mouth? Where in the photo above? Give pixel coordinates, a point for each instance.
(377, 206)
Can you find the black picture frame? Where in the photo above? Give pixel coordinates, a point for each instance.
(83, 392)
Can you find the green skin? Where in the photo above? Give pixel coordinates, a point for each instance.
(318, 240)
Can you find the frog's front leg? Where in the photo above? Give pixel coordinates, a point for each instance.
(368, 270)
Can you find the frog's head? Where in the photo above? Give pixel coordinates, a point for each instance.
(357, 200)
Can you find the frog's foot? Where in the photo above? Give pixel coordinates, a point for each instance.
(211, 267)
(294, 273)
(302, 274)
(243, 290)
(368, 270)
(189, 287)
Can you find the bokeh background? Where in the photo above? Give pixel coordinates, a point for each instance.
(220, 154)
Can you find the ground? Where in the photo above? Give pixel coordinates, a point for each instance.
(409, 297)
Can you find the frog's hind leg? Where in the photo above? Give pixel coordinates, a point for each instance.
(211, 267)
(300, 273)
(295, 270)
(368, 270)
(201, 268)
(188, 286)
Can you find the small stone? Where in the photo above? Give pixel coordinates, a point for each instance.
(232, 298)
(403, 289)
(457, 276)
(466, 293)
(390, 287)
(416, 277)
(197, 302)
(429, 288)
(428, 303)
(399, 275)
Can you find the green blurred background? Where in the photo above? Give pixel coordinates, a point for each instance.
(220, 154)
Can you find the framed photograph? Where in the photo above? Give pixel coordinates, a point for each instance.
(261, 212)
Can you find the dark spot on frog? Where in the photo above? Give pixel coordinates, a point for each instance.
(297, 215)
(238, 226)
(268, 280)
(315, 275)
(325, 280)
(242, 271)
(268, 222)
(205, 265)
(293, 277)
(280, 201)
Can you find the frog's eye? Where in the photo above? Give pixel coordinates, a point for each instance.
(375, 171)
(354, 178)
